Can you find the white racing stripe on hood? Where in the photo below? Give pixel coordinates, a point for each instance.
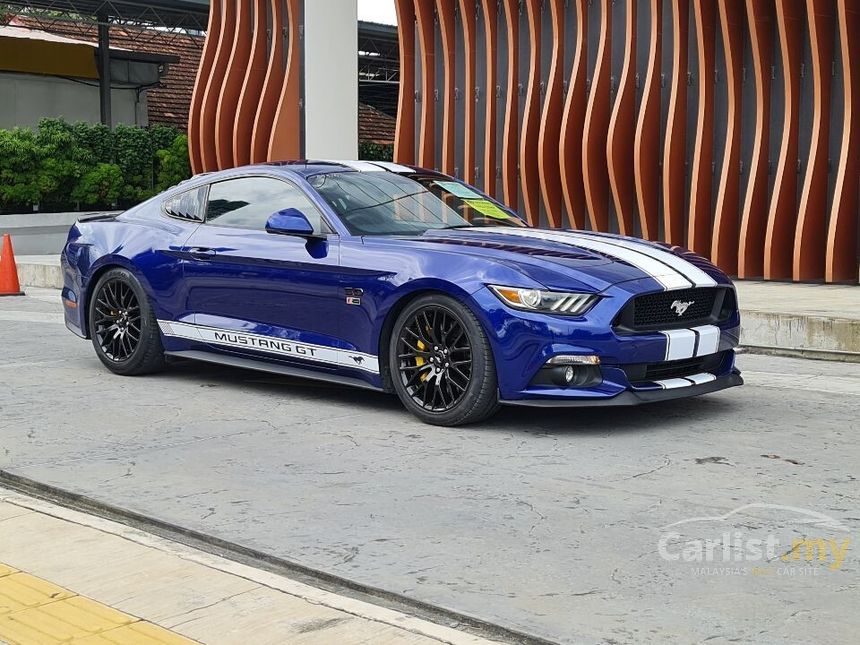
(693, 273)
(668, 277)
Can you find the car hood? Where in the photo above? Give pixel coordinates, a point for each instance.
(599, 260)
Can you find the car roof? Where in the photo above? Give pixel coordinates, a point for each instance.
(311, 167)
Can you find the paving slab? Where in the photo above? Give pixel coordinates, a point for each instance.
(78, 578)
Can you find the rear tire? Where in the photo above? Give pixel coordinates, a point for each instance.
(123, 327)
(441, 363)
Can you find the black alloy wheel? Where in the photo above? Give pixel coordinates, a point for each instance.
(122, 325)
(117, 324)
(441, 364)
(435, 359)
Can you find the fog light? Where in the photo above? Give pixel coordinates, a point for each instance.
(568, 374)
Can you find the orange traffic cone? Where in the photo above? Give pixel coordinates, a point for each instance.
(9, 285)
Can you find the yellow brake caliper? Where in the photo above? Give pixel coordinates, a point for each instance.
(419, 360)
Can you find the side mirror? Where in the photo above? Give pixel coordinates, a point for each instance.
(290, 221)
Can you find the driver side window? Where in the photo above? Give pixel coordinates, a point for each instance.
(247, 202)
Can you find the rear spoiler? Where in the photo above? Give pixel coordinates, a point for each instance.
(100, 217)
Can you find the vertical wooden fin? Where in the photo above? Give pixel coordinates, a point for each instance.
(424, 16)
(209, 105)
(467, 18)
(285, 142)
(781, 221)
(512, 127)
(550, 128)
(573, 125)
(231, 88)
(529, 179)
(595, 171)
(272, 83)
(622, 132)
(646, 143)
(250, 95)
(445, 13)
(674, 150)
(724, 247)
(702, 178)
(207, 59)
(404, 135)
(810, 238)
(756, 199)
(841, 260)
(491, 35)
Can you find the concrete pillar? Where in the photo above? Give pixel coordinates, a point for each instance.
(330, 88)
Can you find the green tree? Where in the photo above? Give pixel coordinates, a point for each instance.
(100, 187)
(173, 163)
(19, 164)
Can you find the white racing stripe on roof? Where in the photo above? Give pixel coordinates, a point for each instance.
(693, 273)
(393, 167)
(667, 276)
(362, 166)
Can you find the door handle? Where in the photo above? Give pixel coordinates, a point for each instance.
(202, 253)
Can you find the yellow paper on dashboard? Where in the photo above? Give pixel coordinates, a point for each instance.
(488, 208)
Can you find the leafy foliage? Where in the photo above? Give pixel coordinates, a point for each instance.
(64, 166)
(173, 163)
(369, 151)
(100, 187)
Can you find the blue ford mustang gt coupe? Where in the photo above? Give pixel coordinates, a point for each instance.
(400, 279)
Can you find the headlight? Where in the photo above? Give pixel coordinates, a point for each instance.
(550, 302)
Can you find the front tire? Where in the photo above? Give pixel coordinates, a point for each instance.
(441, 363)
(123, 327)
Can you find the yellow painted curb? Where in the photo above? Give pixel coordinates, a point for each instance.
(36, 612)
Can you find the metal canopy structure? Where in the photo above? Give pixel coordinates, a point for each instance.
(179, 15)
(378, 53)
(378, 66)
(167, 14)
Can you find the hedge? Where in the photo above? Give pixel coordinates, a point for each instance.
(72, 166)
(369, 151)
(64, 166)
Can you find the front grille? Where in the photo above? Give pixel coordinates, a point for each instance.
(674, 369)
(659, 311)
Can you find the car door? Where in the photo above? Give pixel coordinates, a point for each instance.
(257, 293)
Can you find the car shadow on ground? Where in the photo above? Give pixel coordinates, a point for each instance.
(579, 420)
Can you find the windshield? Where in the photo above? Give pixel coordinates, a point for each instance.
(385, 203)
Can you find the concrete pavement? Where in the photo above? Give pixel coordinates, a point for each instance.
(69, 577)
(556, 523)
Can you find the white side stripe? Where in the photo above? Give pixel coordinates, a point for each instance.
(693, 273)
(680, 343)
(709, 339)
(271, 345)
(668, 277)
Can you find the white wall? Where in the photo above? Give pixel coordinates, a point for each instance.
(331, 79)
(27, 98)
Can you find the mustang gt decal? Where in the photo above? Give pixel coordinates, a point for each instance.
(270, 344)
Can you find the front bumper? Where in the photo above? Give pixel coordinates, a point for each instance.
(633, 367)
(634, 396)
